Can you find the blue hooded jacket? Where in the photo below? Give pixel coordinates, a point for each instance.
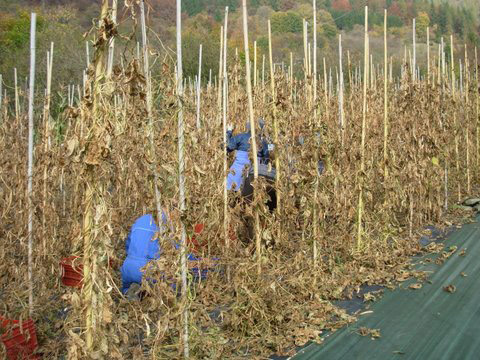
(142, 247)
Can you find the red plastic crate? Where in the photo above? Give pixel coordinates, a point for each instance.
(72, 272)
(20, 340)
(193, 243)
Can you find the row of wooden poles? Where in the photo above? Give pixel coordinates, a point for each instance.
(443, 77)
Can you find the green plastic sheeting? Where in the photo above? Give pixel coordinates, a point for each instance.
(428, 323)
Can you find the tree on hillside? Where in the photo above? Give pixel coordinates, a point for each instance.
(341, 5)
(422, 22)
(284, 22)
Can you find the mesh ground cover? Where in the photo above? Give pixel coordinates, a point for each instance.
(426, 323)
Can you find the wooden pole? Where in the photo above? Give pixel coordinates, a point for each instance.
(305, 50)
(181, 179)
(314, 60)
(340, 89)
(414, 60)
(364, 121)
(255, 64)
(452, 66)
(428, 55)
(199, 88)
(349, 64)
(46, 120)
(263, 77)
(275, 124)
(17, 100)
(385, 97)
(1, 98)
(477, 111)
(457, 154)
(147, 74)
(291, 76)
(467, 122)
(252, 129)
(33, 23)
(111, 47)
(225, 158)
(87, 51)
(325, 86)
(220, 76)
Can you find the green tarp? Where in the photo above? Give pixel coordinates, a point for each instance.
(428, 323)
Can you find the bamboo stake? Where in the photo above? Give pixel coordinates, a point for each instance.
(255, 64)
(315, 61)
(17, 99)
(452, 66)
(225, 158)
(263, 77)
(220, 76)
(111, 47)
(428, 55)
(1, 98)
(46, 116)
(253, 136)
(199, 81)
(325, 86)
(209, 80)
(309, 59)
(87, 50)
(148, 80)
(349, 64)
(291, 76)
(385, 98)
(414, 60)
(305, 50)
(477, 112)
(457, 155)
(340, 89)
(30, 162)
(275, 124)
(467, 123)
(364, 120)
(181, 178)
(315, 192)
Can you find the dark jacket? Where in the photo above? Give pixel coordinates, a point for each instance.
(241, 142)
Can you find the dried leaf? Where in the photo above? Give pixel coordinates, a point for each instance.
(415, 286)
(450, 288)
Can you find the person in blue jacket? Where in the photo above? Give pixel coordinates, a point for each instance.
(241, 144)
(142, 247)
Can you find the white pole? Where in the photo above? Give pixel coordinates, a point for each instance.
(252, 128)
(414, 65)
(111, 48)
(224, 123)
(340, 88)
(315, 64)
(263, 71)
(146, 70)
(199, 77)
(30, 163)
(17, 100)
(87, 50)
(1, 94)
(428, 55)
(181, 177)
(255, 64)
